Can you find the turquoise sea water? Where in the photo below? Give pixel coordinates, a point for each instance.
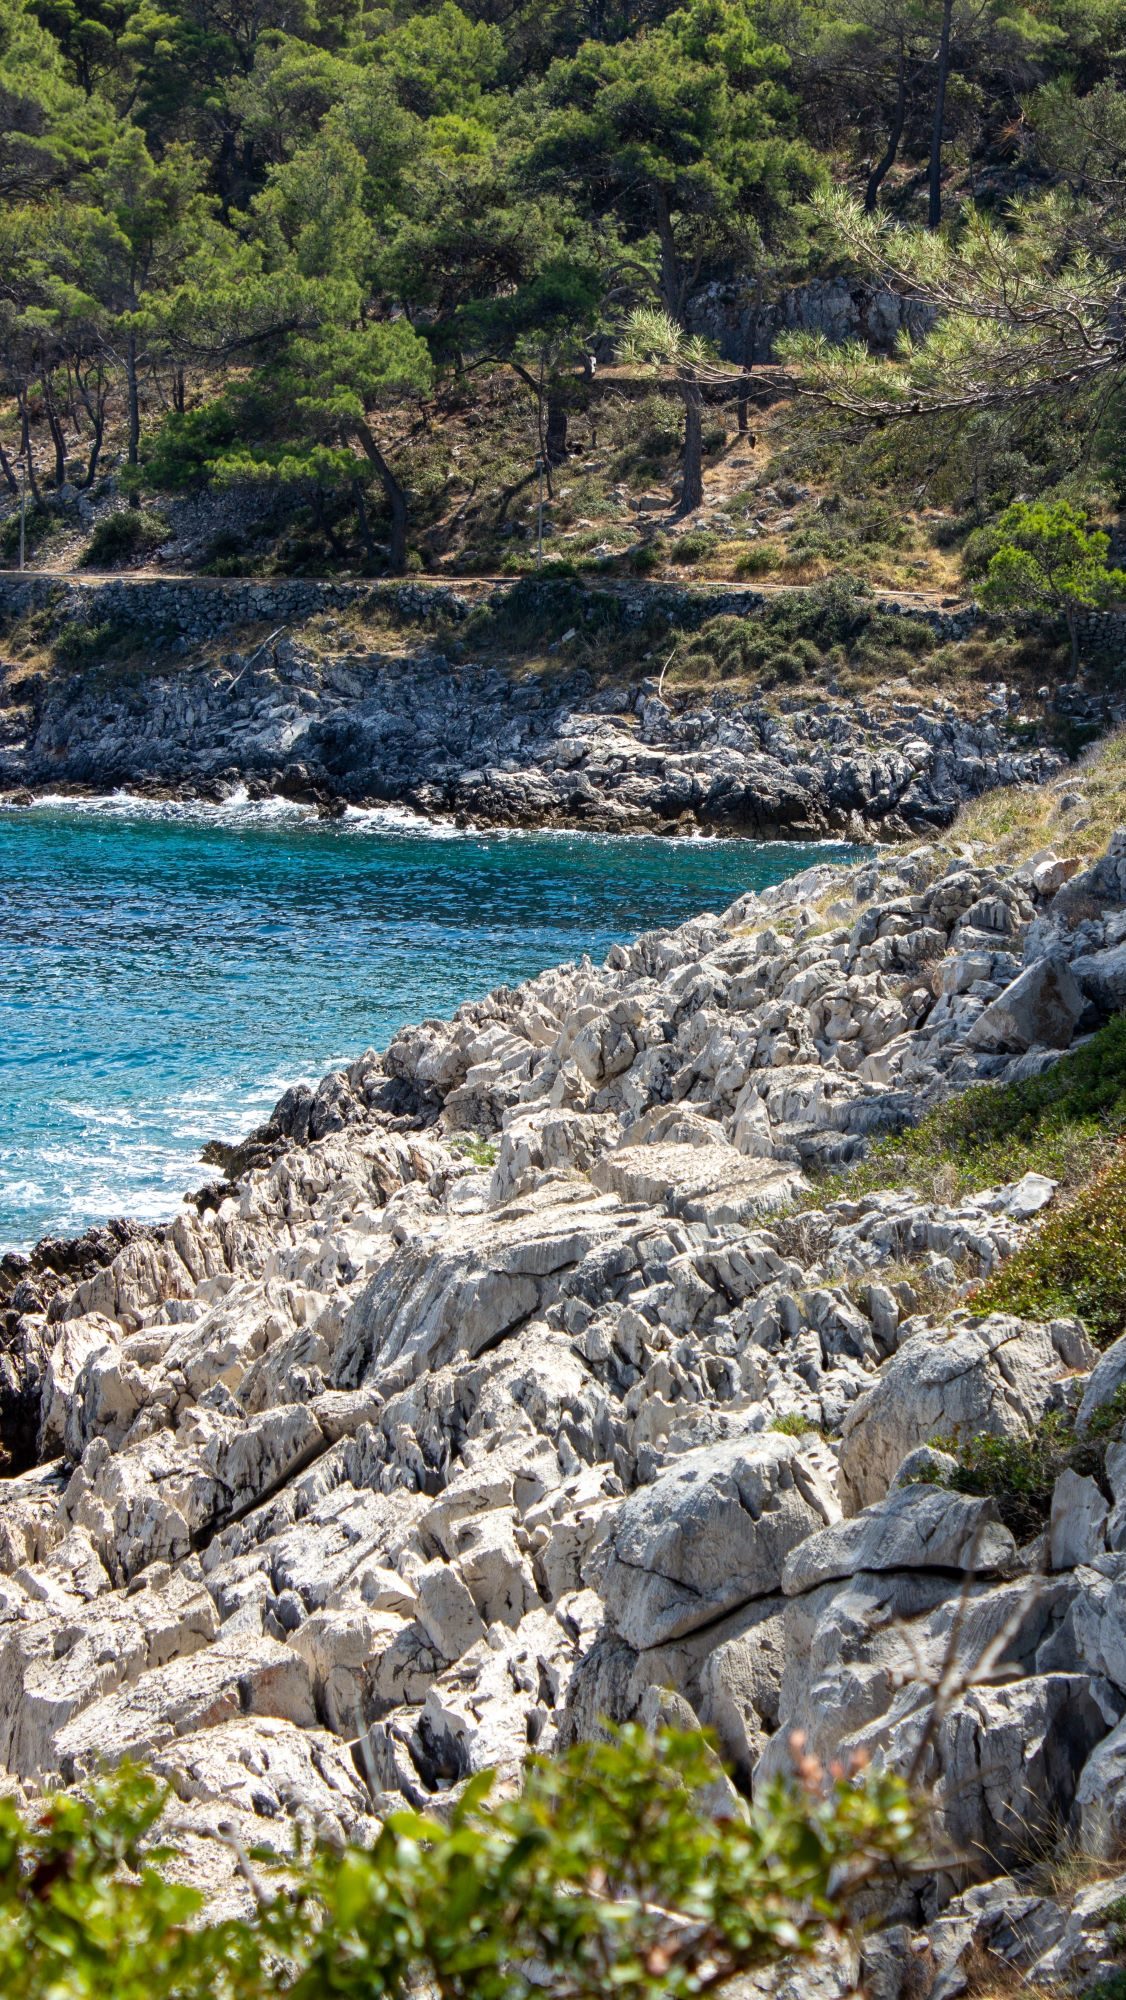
(166, 971)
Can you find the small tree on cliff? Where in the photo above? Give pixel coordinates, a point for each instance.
(1049, 559)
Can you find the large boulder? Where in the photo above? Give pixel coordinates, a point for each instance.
(1001, 1765)
(711, 1533)
(993, 1375)
(1040, 1009)
(713, 1184)
(1102, 975)
(1106, 1378)
(850, 1646)
(730, 1674)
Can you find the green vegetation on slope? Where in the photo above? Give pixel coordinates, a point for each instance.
(1075, 1263)
(382, 261)
(608, 1867)
(1020, 1473)
(1063, 1123)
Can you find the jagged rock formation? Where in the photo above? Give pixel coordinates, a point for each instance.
(396, 1461)
(445, 737)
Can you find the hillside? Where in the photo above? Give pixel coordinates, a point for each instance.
(717, 289)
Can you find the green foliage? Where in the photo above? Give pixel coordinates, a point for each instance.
(85, 642)
(607, 1867)
(1018, 1472)
(235, 237)
(760, 560)
(1112, 1918)
(801, 635)
(1060, 1123)
(38, 523)
(696, 546)
(792, 1424)
(122, 536)
(475, 1147)
(1075, 1263)
(1049, 558)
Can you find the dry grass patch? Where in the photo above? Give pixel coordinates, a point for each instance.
(1076, 813)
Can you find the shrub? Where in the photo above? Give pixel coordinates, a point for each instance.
(1075, 1263)
(1020, 1472)
(1061, 1123)
(793, 1425)
(607, 1868)
(474, 1146)
(759, 560)
(696, 545)
(38, 522)
(646, 557)
(81, 642)
(121, 536)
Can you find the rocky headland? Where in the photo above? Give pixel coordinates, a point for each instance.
(338, 724)
(530, 1372)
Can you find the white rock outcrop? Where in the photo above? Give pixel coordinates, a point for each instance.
(393, 1465)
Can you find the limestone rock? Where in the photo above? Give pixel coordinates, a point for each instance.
(711, 1533)
(993, 1375)
(1040, 1009)
(914, 1528)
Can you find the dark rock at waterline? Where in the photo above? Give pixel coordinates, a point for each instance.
(482, 746)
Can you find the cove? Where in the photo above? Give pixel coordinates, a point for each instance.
(168, 970)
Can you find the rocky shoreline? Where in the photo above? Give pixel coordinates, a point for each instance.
(452, 738)
(518, 1376)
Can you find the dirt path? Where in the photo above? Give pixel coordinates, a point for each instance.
(920, 600)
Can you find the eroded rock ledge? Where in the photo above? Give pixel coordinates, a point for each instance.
(449, 737)
(460, 1443)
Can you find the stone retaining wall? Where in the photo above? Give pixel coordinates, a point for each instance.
(177, 610)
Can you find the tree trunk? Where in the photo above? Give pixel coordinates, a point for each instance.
(692, 485)
(365, 525)
(1073, 638)
(6, 473)
(934, 203)
(393, 493)
(556, 432)
(56, 430)
(90, 474)
(750, 356)
(134, 397)
(885, 163)
(25, 449)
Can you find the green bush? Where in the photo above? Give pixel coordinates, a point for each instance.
(1075, 1263)
(646, 557)
(1017, 1472)
(1020, 1472)
(119, 537)
(760, 560)
(607, 1867)
(83, 641)
(694, 546)
(1062, 1123)
(38, 522)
